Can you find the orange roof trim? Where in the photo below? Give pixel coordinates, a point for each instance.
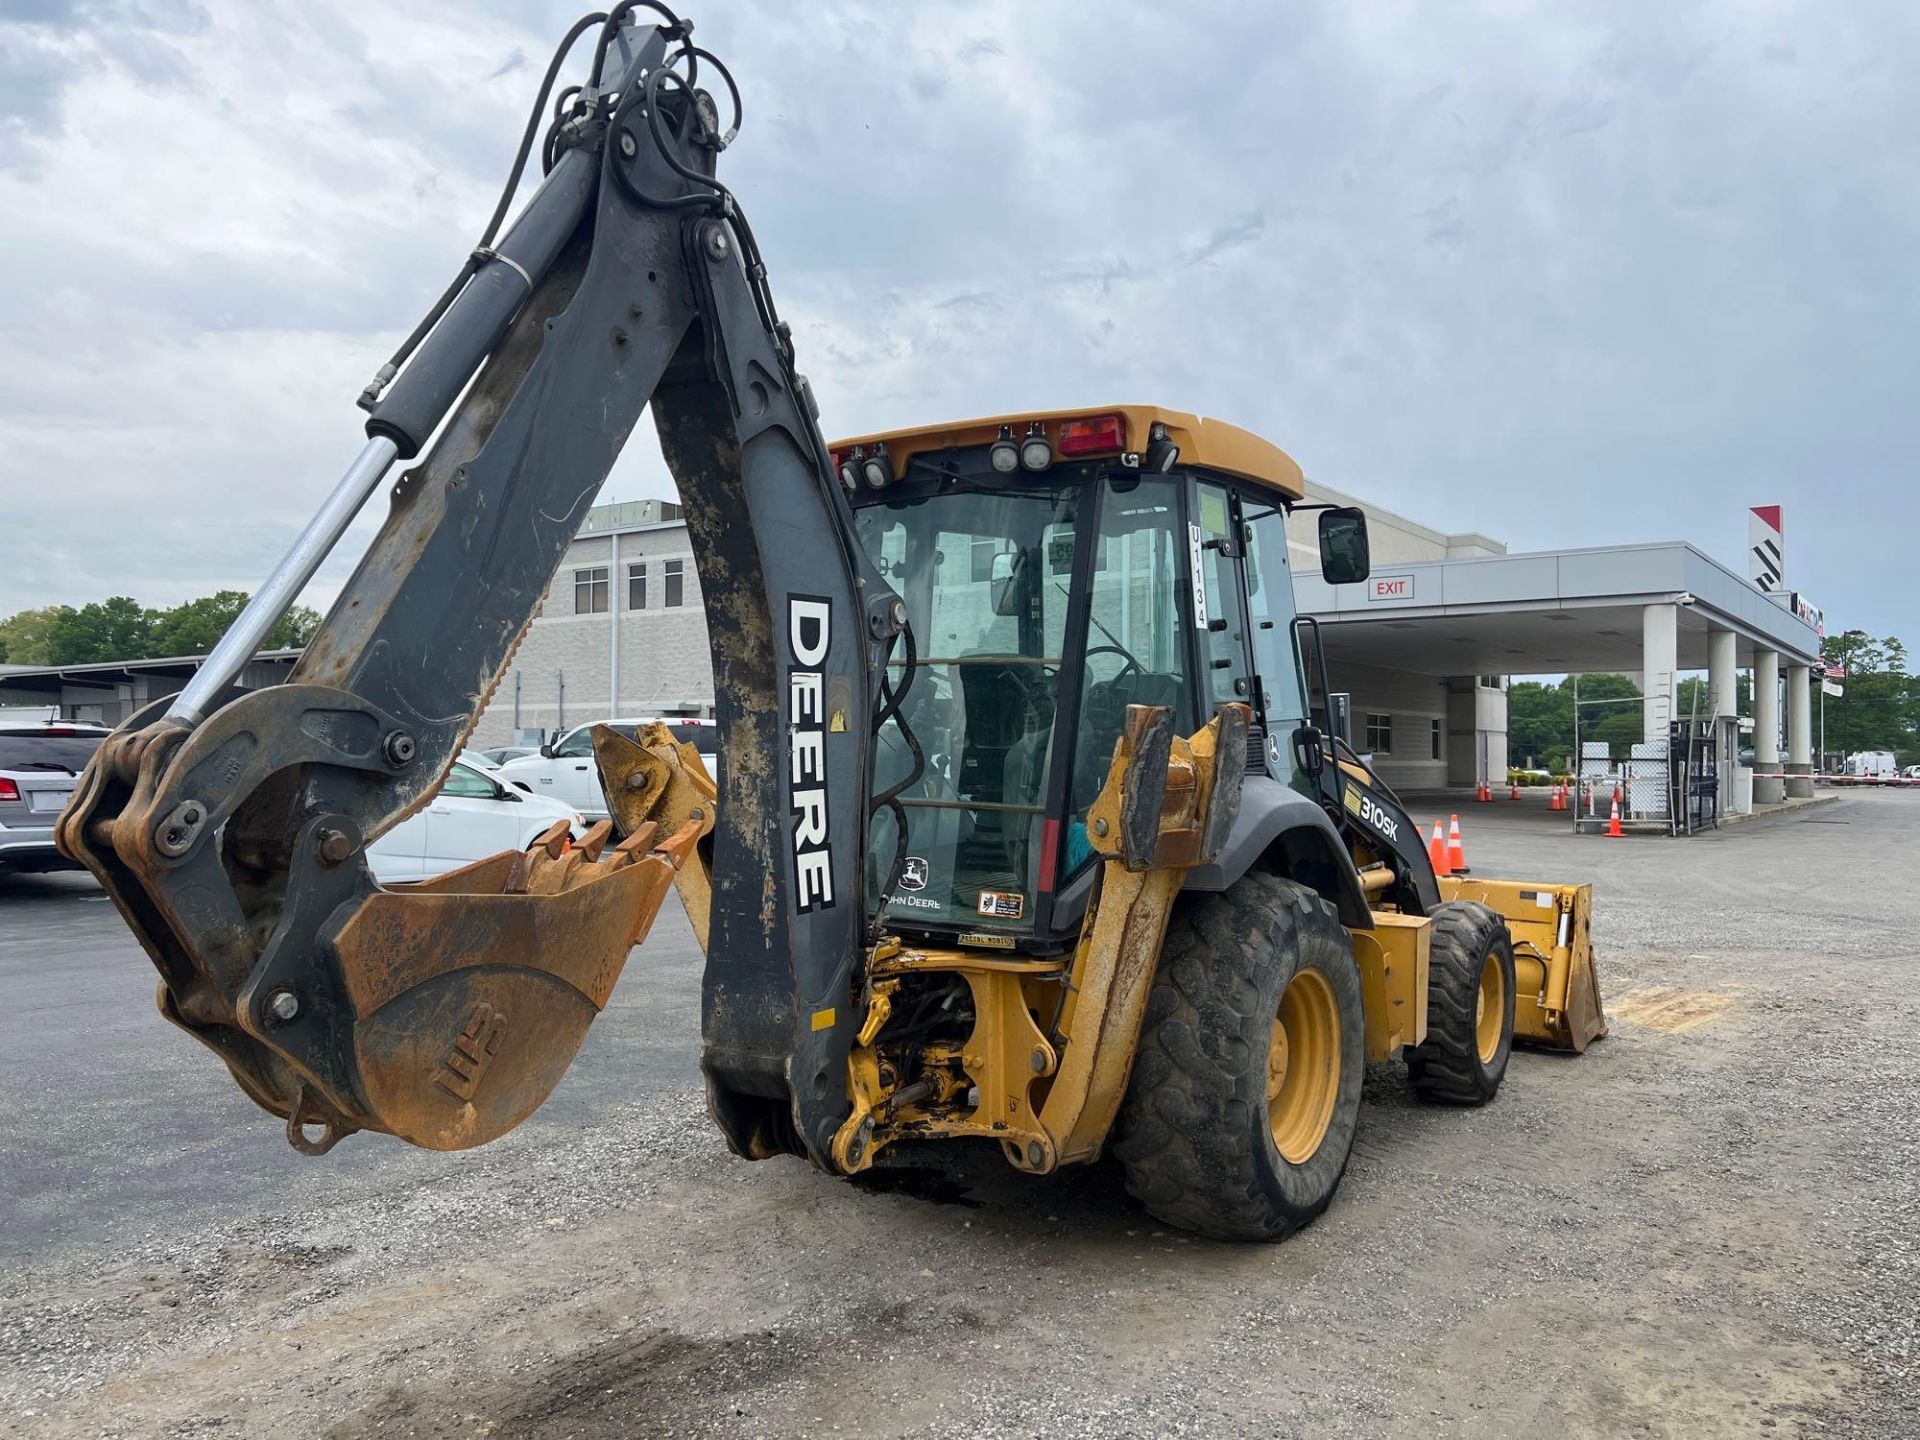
(1204, 444)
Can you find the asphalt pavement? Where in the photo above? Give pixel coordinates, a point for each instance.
(1707, 1225)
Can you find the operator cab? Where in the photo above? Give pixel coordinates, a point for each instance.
(1058, 567)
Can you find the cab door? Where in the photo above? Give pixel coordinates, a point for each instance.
(1270, 607)
(1219, 597)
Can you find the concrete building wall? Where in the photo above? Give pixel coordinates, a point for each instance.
(562, 674)
(1476, 729)
(1392, 539)
(1413, 705)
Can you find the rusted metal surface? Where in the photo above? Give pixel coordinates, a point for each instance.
(467, 1007)
(442, 1012)
(661, 776)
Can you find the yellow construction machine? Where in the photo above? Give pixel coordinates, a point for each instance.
(1027, 827)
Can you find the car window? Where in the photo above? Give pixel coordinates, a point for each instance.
(468, 784)
(37, 750)
(576, 746)
(704, 738)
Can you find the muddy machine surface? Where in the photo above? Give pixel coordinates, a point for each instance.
(1026, 830)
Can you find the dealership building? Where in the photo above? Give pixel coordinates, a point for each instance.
(1423, 647)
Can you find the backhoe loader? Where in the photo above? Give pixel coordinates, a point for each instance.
(1027, 828)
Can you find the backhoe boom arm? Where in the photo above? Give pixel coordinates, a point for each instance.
(230, 827)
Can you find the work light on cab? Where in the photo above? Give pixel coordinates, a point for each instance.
(1161, 451)
(1004, 455)
(1092, 435)
(1035, 452)
(877, 470)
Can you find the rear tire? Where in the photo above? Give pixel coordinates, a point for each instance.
(1245, 1093)
(1469, 1008)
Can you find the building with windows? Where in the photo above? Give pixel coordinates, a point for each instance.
(623, 633)
(1423, 647)
(1424, 731)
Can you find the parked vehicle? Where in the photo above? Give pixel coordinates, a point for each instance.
(40, 759)
(564, 770)
(500, 754)
(1872, 765)
(476, 814)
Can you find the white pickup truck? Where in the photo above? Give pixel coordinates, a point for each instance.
(564, 770)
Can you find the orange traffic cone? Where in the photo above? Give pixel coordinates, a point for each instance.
(1513, 790)
(1613, 826)
(1559, 797)
(1437, 853)
(1483, 793)
(1616, 794)
(1456, 852)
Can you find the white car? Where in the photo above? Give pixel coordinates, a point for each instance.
(40, 762)
(565, 771)
(474, 815)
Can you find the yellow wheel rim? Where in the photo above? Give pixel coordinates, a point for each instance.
(1303, 1067)
(1490, 1008)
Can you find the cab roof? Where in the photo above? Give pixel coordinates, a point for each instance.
(1205, 444)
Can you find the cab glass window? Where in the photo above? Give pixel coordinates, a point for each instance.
(1136, 652)
(986, 573)
(1270, 606)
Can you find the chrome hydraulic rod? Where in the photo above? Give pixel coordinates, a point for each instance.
(245, 636)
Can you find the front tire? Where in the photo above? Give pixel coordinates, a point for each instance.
(1245, 1092)
(1469, 1008)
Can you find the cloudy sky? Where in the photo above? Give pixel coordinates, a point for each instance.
(1563, 273)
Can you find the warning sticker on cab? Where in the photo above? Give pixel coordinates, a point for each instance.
(1002, 904)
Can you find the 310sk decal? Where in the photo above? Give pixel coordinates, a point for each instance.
(1363, 805)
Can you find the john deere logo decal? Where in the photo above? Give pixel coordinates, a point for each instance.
(913, 875)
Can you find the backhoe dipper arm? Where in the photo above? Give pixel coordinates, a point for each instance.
(230, 827)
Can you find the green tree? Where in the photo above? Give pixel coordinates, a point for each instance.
(296, 628)
(1880, 709)
(193, 628)
(116, 628)
(1540, 718)
(119, 628)
(29, 634)
(1539, 723)
(1620, 721)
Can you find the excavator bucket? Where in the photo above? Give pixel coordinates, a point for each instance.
(442, 1012)
(1557, 994)
(472, 992)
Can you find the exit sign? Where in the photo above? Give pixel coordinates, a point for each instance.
(1390, 587)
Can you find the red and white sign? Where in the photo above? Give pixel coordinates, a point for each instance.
(1766, 547)
(1390, 587)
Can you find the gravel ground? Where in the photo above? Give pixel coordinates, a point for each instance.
(1705, 1227)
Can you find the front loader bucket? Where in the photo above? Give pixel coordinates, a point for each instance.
(1557, 999)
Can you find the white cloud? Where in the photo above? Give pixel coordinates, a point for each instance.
(1561, 273)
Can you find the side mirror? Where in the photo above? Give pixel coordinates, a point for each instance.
(503, 792)
(546, 749)
(1005, 585)
(1344, 558)
(1308, 756)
